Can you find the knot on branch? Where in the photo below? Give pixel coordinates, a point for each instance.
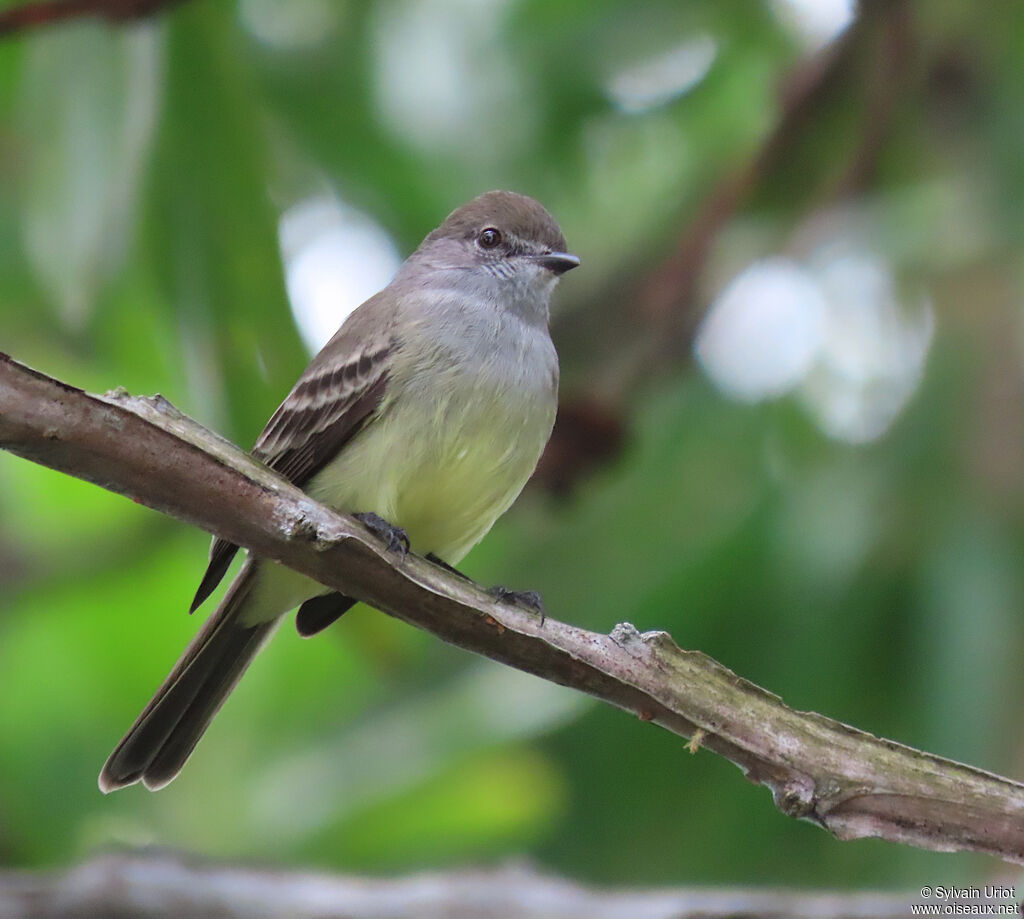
(795, 798)
(300, 527)
(625, 634)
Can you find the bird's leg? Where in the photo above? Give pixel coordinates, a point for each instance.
(396, 539)
(441, 563)
(528, 598)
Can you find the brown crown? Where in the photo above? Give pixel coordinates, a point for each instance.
(509, 212)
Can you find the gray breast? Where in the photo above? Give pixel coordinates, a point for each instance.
(464, 345)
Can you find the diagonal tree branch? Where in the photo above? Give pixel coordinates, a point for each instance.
(845, 780)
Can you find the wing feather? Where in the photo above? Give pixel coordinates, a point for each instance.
(339, 393)
(322, 413)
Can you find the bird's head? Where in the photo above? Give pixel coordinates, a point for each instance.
(503, 245)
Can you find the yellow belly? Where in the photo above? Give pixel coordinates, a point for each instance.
(445, 480)
(444, 476)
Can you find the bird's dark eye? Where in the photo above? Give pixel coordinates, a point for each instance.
(489, 238)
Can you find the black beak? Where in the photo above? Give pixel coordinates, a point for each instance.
(558, 262)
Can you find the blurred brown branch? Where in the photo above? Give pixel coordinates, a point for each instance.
(845, 780)
(45, 12)
(665, 297)
(870, 58)
(158, 885)
(881, 34)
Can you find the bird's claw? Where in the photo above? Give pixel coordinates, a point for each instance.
(396, 539)
(528, 598)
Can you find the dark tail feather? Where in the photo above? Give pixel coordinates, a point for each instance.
(319, 612)
(158, 744)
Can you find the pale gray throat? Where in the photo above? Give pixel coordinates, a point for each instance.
(483, 288)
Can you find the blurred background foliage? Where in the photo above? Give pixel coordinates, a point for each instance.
(794, 346)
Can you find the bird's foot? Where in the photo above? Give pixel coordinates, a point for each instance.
(395, 538)
(528, 598)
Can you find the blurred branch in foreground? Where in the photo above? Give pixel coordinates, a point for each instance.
(847, 781)
(30, 15)
(157, 885)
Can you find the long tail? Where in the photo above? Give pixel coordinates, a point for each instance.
(164, 735)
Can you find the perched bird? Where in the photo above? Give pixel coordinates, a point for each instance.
(424, 415)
